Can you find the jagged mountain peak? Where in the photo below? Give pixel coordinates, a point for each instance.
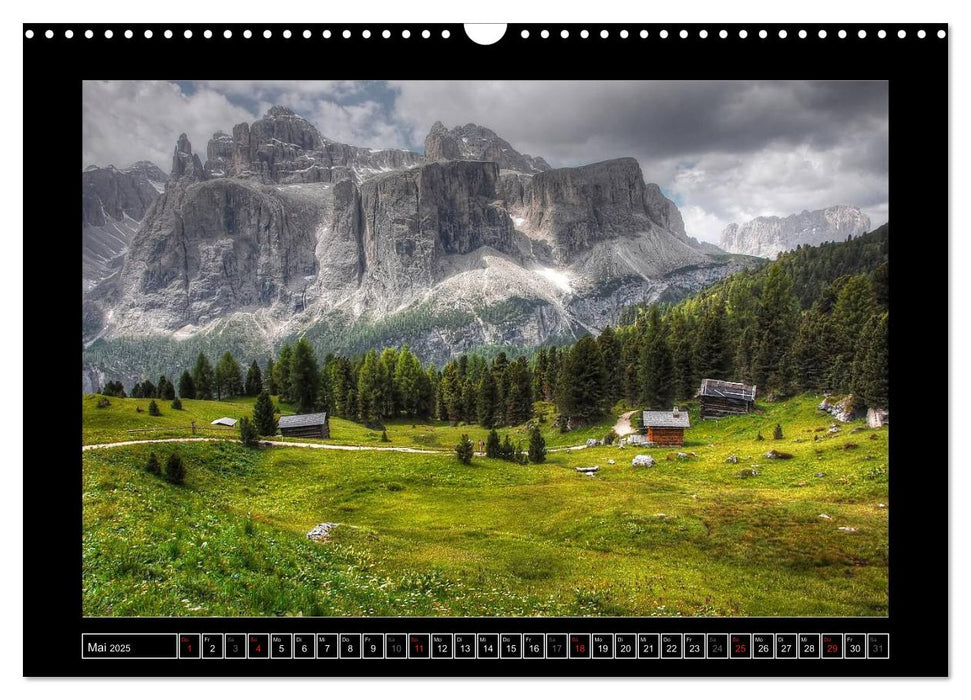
(474, 142)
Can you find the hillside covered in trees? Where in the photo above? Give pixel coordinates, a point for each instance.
(814, 320)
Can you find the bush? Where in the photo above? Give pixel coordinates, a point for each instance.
(464, 449)
(153, 466)
(153, 409)
(248, 434)
(759, 437)
(103, 402)
(177, 403)
(777, 433)
(175, 469)
(610, 437)
(537, 446)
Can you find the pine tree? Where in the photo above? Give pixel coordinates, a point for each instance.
(325, 393)
(712, 355)
(165, 389)
(153, 466)
(254, 380)
(657, 365)
(203, 378)
(248, 434)
(175, 469)
(464, 450)
(537, 446)
(304, 377)
(493, 445)
(229, 377)
(187, 388)
(282, 373)
(775, 327)
(263, 415)
(519, 398)
(177, 403)
(610, 351)
(368, 389)
(486, 404)
(812, 352)
(871, 381)
(580, 390)
(153, 408)
(777, 432)
(269, 378)
(149, 390)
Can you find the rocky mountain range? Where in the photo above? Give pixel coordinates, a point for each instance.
(282, 232)
(767, 236)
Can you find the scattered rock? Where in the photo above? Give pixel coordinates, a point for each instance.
(776, 454)
(591, 442)
(321, 532)
(610, 461)
(846, 528)
(877, 417)
(834, 428)
(802, 483)
(881, 505)
(747, 473)
(732, 459)
(842, 410)
(824, 516)
(643, 461)
(819, 475)
(588, 470)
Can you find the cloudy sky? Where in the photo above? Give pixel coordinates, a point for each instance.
(724, 151)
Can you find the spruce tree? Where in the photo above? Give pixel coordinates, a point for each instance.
(775, 327)
(610, 352)
(657, 365)
(177, 403)
(269, 378)
(187, 388)
(325, 393)
(254, 380)
(713, 356)
(368, 389)
(871, 381)
(282, 373)
(263, 415)
(248, 433)
(229, 377)
(153, 408)
(486, 403)
(493, 446)
(777, 432)
(464, 450)
(304, 377)
(581, 393)
(203, 378)
(537, 446)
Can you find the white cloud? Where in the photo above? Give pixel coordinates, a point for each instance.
(125, 121)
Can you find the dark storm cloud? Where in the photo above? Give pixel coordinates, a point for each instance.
(726, 151)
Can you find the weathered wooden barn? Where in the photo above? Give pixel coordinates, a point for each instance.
(315, 425)
(719, 398)
(665, 427)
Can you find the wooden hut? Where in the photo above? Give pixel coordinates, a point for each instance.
(666, 427)
(315, 425)
(719, 398)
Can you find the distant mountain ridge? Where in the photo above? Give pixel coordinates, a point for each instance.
(767, 236)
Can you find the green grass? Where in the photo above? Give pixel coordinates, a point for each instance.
(425, 535)
(113, 423)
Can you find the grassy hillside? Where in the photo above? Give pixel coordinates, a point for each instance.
(425, 535)
(121, 422)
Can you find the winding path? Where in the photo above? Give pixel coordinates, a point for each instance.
(623, 427)
(310, 445)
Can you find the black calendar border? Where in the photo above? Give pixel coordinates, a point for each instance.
(917, 71)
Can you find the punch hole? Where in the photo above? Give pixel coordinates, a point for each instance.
(484, 34)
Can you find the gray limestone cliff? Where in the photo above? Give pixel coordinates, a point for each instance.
(767, 236)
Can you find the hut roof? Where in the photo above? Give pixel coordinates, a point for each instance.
(224, 421)
(727, 390)
(302, 420)
(666, 419)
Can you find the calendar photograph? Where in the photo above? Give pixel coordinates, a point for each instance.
(471, 348)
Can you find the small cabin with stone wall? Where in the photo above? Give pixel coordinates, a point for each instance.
(315, 425)
(665, 427)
